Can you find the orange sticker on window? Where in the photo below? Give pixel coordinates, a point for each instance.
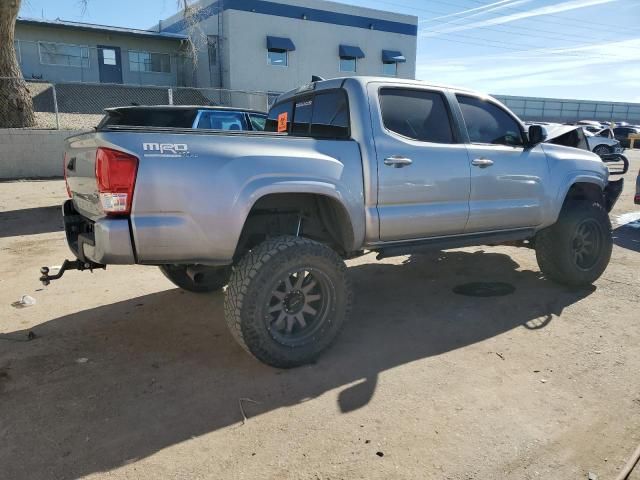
(282, 121)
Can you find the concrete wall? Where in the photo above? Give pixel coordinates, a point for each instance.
(32, 153)
(28, 37)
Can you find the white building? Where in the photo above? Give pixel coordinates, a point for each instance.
(274, 46)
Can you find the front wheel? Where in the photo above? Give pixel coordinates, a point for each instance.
(287, 300)
(577, 248)
(198, 279)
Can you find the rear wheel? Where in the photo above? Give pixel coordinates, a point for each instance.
(577, 248)
(287, 300)
(198, 279)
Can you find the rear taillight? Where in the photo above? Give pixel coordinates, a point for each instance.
(64, 168)
(116, 177)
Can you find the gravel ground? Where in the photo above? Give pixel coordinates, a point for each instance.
(129, 377)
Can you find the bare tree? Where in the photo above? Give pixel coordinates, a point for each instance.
(16, 108)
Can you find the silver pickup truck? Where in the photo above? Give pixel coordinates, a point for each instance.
(345, 166)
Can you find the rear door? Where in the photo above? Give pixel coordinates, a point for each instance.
(507, 179)
(423, 167)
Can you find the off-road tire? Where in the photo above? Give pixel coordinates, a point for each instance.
(555, 245)
(214, 278)
(254, 281)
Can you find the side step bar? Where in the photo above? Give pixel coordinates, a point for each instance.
(445, 243)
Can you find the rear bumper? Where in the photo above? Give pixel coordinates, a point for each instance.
(106, 241)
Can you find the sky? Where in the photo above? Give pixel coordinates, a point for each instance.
(585, 49)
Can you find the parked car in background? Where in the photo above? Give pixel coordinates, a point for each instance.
(599, 143)
(622, 134)
(180, 116)
(590, 125)
(636, 198)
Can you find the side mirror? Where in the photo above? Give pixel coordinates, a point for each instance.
(537, 134)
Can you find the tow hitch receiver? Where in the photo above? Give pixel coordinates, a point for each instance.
(68, 265)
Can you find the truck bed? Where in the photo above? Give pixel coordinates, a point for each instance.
(194, 189)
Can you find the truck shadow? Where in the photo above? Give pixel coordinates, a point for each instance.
(162, 368)
(628, 236)
(30, 221)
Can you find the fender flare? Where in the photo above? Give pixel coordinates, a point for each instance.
(352, 205)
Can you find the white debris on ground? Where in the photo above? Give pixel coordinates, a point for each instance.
(630, 219)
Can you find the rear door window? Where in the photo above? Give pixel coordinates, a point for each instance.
(321, 115)
(330, 115)
(417, 114)
(489, 124)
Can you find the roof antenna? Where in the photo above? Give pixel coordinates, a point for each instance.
(317, 78)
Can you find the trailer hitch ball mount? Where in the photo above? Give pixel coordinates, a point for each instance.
(46, 279)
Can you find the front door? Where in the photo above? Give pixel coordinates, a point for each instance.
(507, 178)
(110, 64)
(423, 168)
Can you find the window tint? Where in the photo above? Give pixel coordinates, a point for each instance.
(257, 121)
(330, 115)
(416, 114)
(272, 118)
(222, 120)
(302, 116)
(487, 123)
(325, 115)
(150, 117)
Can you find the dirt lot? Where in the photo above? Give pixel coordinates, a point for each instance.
(129, 377)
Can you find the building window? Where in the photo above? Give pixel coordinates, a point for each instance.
(349, 55)
(348, 64)
(278, 57)
(109, 56)
(63, 54)
(390, 68)
(149, 62)
(390, 61)
(212, 44)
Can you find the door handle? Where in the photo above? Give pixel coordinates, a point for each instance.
(397, 161)
(482, 162)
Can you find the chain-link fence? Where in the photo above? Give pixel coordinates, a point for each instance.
(81, 105)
